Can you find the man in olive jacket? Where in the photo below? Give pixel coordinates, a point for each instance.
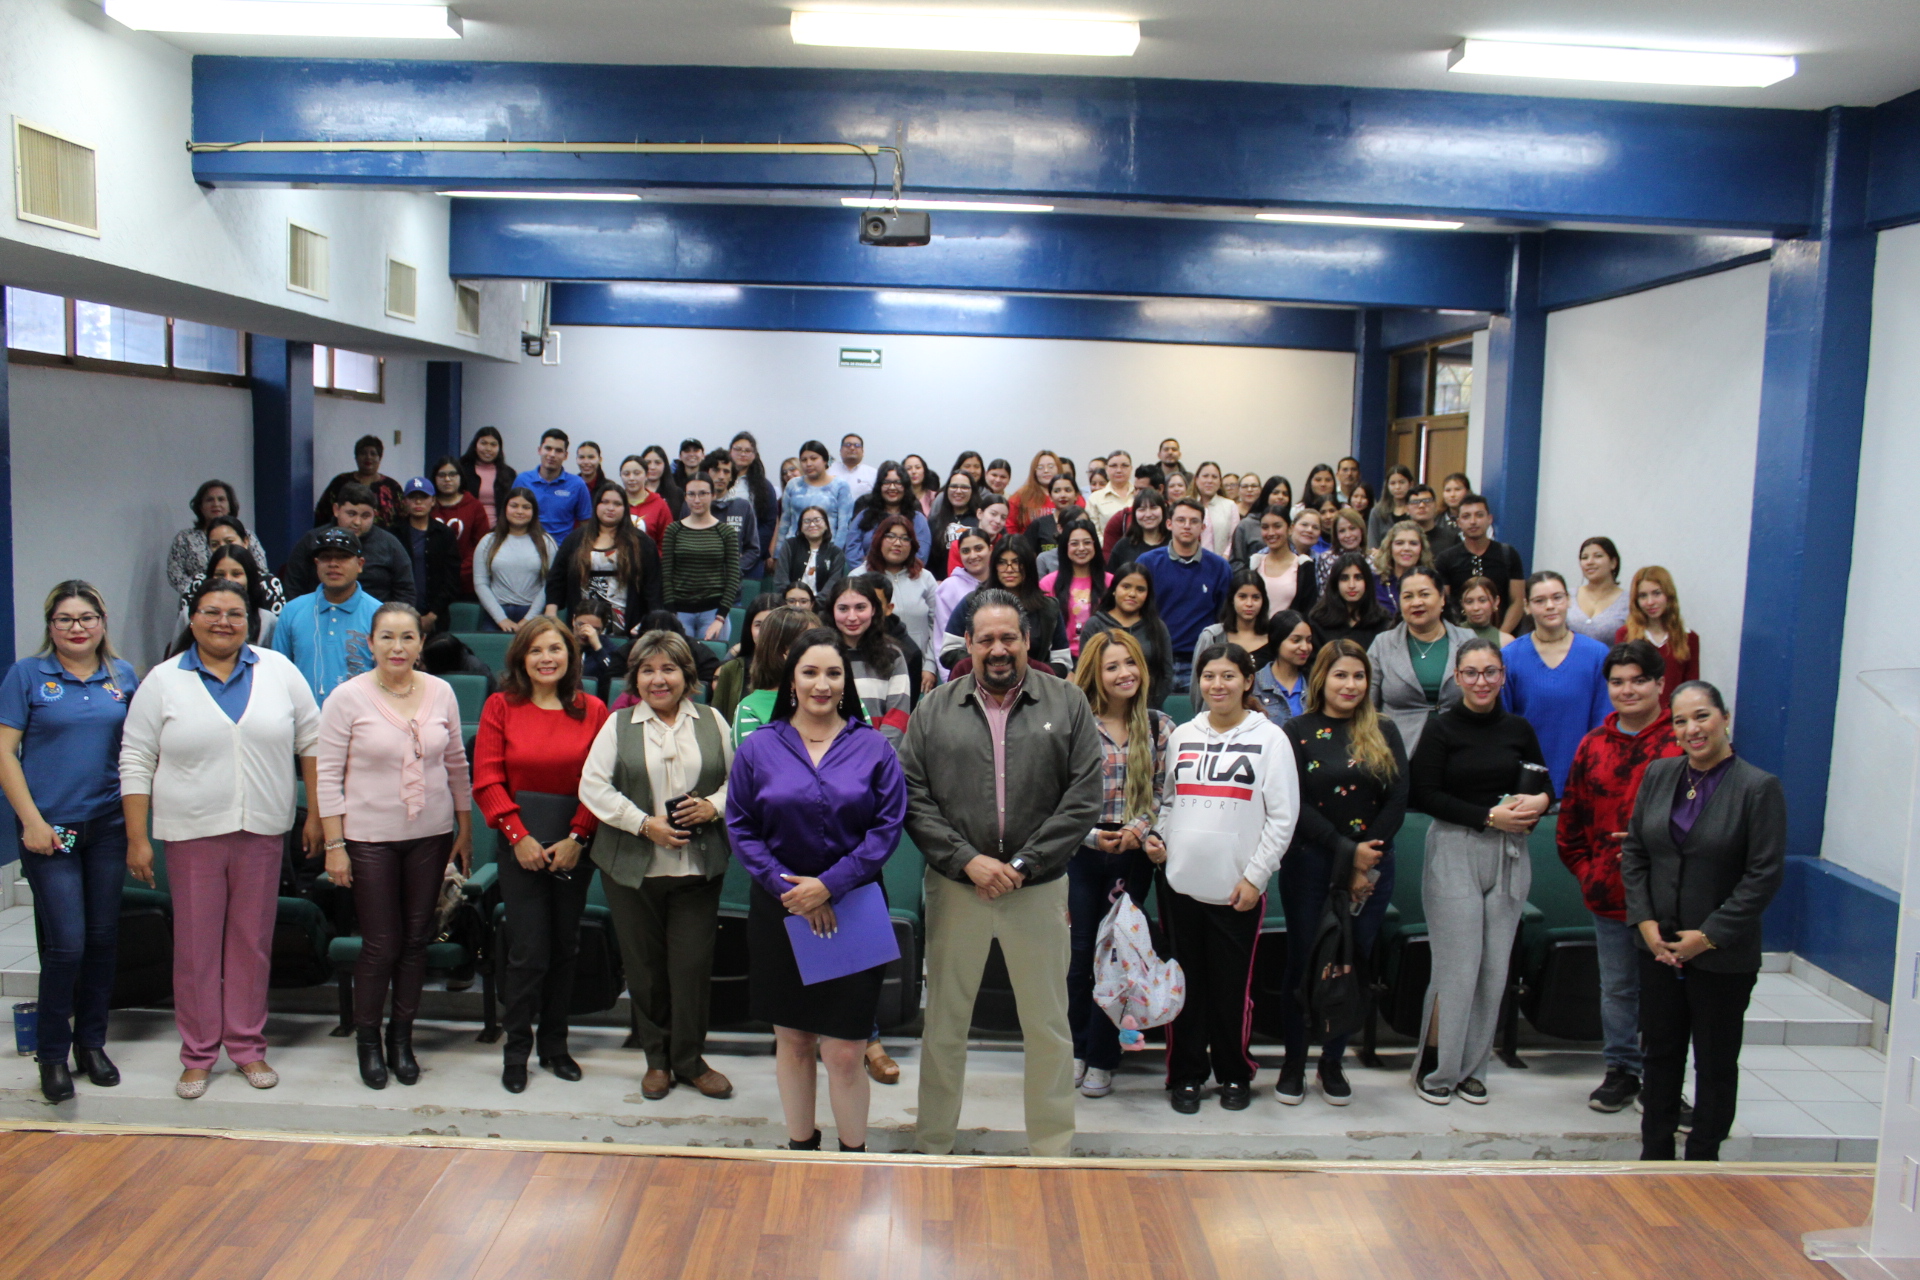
(1003, 783)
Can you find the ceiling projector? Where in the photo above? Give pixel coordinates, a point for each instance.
(891, 229)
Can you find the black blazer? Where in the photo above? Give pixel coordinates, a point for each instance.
(1722, 881)
(644, 593)
(791, 563)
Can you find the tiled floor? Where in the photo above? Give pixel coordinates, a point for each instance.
(1810, 1090)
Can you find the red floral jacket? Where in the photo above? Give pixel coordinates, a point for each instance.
(1601, 788)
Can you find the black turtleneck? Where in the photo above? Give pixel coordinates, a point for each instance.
(1467, 760)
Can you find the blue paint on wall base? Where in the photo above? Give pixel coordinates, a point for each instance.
(1843, 922)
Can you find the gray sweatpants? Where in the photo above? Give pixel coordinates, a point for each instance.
(1473, 886)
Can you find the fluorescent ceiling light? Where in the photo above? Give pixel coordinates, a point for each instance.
(1353, 220)
(978, 206)
(973, 32)
(1634, 66)
(976, 302)
(539, 195)
(403, 21)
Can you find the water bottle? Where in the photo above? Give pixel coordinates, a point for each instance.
(26, 1028)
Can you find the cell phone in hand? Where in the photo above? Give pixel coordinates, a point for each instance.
(65, 838)
(674, 804)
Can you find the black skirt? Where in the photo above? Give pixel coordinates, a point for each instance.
(841, 1008)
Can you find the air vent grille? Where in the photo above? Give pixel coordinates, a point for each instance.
(54, 180)
(402, 285)
(467, 309)
(306, 260)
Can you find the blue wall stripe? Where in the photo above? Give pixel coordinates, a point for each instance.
(1402, 329)
(1893, 189)
(1515, 383)
(443, 410)
(1371, 398)
(1843, 922)
(1805, 481)
(9, 840)
(281, 374)
(709, 306)
(1586, 266)
(1136, 257)
(1206, 142)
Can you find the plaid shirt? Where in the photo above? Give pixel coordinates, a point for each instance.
(1113, 776)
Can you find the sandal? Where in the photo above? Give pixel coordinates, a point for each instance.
(882, 1068)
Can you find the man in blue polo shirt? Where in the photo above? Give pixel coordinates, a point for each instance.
(1189, 584)
(325, 632)
(561, 495)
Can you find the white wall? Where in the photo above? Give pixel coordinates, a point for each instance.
(338, 422)
(1649, 426)
(1873, 749)
(1476, 411)
(103, 469)
(1275, 410)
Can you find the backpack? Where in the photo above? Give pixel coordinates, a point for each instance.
(1331, 991)
(1135, 987)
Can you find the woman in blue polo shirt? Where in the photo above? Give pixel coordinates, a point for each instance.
(60, 717)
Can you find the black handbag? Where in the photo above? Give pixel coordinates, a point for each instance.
(1332, 991)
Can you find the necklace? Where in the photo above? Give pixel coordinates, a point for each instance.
(1426, 646)
(395, 693)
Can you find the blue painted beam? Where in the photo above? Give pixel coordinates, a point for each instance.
(1515, 382)
(1402, 329)
(1587, 266)
(1371, 397)
(1205, 142)
(281, 375)
(1806, 476)
(1150, 257)
(9, 839)
(1893, 185)
(443, 410)
(1207, 322)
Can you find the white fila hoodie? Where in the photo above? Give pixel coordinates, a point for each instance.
(1229, 806)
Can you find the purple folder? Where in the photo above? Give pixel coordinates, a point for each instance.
(862, 937)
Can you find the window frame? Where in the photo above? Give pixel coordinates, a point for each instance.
(340, 393)
(168, 372)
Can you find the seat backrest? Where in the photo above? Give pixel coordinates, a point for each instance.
(733, 892)
(1554, 889)
(488, 646)
(1409, 858)
(1180, 707)
(471, 693)
(463, 616)
(903, 876)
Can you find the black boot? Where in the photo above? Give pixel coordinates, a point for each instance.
(400, 1059)
(56, 1083)
(97, 1067)
(845, 1149)
(373, 1072)
(811, 1144)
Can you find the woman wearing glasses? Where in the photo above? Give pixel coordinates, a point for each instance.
(204, 756)
(396, 802)
(61, 712)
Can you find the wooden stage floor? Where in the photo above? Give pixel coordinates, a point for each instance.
(179, 1205)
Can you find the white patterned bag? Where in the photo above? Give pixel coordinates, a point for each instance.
(1135, 987)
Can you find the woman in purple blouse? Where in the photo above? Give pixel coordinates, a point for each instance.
(815, 805)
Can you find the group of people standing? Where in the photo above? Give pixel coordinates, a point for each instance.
(984, 672)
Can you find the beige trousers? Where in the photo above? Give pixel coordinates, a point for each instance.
(1031, 925)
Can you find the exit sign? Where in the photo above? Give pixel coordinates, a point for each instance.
(860, 357)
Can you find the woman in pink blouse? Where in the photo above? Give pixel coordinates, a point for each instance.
(395, 800)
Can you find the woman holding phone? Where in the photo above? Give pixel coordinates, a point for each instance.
(816, 802)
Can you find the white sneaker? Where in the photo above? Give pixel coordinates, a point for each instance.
(1079, 1071)
(1098, 1084)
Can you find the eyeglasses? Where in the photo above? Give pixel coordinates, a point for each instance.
(76, 621)
(897, 537)
(1491, 675)
(1425, 500)
(216, 615)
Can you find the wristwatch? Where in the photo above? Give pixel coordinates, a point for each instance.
(1019, 863)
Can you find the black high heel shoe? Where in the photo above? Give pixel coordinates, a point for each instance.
(97, 1067)
(373, 1071)
(56, 1082)
(561, 1065)
(400, 1059)
(513, 1077)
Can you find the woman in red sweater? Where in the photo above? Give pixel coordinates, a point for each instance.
(534, 736)
(1653, 615)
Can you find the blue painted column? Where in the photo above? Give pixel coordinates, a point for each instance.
(282, 377)
(1515, 380)
(443, 410)
(9, 841)
(1370, 397)
(1805, 480)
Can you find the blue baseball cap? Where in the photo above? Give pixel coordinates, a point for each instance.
(419, 484)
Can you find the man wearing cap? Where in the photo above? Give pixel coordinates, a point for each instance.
(389, 570)
(433, 553)
(325, 631)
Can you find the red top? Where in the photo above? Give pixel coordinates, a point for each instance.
(468, 520)
(521, 747)
(1677, 673)
(1598, 801)
(652, 516)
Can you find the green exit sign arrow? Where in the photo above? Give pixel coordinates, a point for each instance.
(860, 357)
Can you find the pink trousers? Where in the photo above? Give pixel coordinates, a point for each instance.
(225, 893)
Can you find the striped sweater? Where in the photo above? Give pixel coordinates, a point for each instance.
(700, 568)
(887, 700)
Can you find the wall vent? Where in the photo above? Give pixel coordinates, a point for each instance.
(53, 180)
(466, 317)
(306, 260)
(402, 287)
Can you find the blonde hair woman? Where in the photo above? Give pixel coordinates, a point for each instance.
(1133, 742)
(1653, 615)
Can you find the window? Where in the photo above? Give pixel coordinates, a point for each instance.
(349, 374)
(47, 329)
(1432, 391)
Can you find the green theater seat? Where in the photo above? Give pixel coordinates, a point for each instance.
(488, 646)
(464, 615)
(471, 693)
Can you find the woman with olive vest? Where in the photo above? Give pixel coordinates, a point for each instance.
(657, 780)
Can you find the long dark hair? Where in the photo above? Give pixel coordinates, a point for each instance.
(960, 464)
(875, 648)
(930, 481)
(943, 512)
(542, 540)
(626, 542)
(764, 498)
(1033, 601)
(470, 462)
(765, 602)
(876, 563)
(258, 598)
(1128, 568)
(1242, 661)
(785, 623)
(872, 508)
(1063, 575)
(514, 682)
(1149, 497)
(1331, 612)
(1228, 613)
(785, 704)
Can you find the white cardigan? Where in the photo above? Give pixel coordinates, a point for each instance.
(208, 775)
